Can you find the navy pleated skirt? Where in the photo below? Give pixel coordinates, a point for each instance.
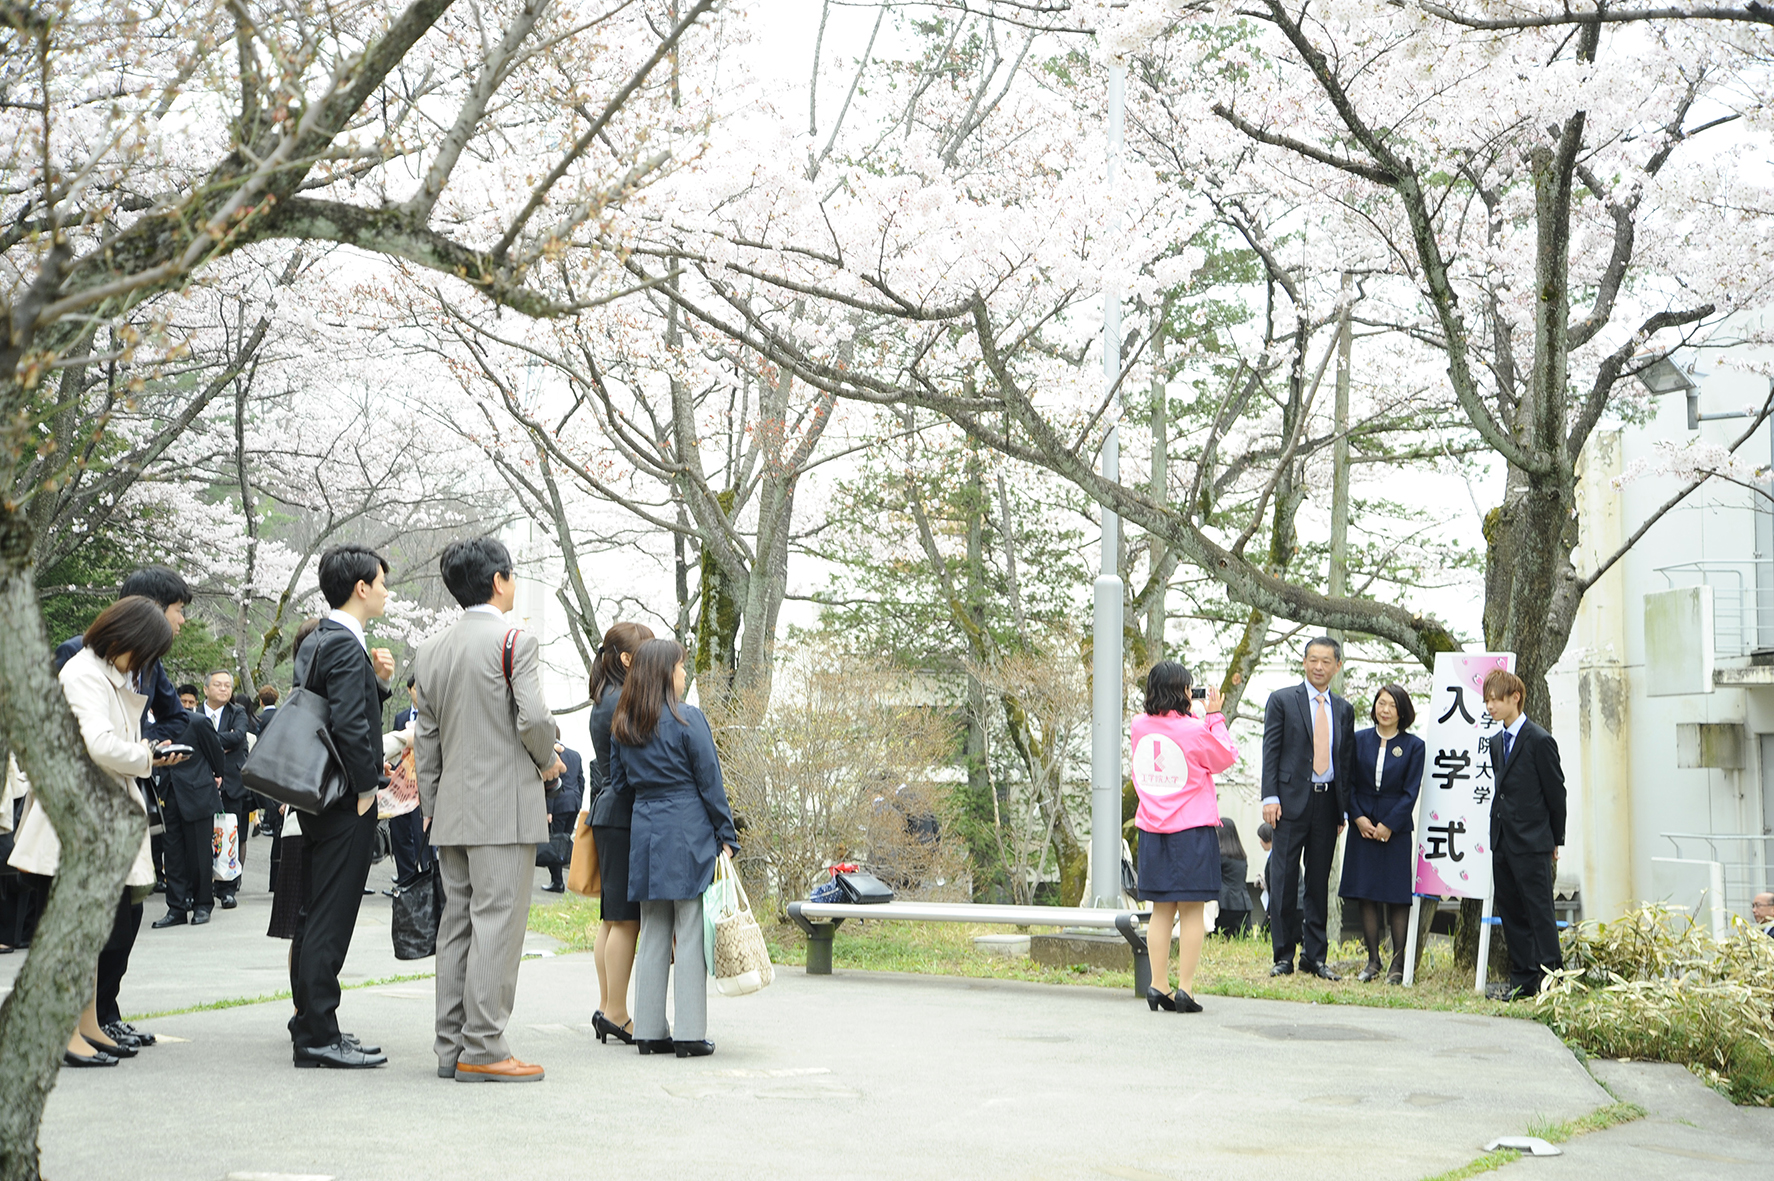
(1180, 866)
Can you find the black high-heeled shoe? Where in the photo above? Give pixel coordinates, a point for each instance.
(1186, 1003)
(653, 1045)
(1156, 1000)
(607, 1028)
(701, 1049)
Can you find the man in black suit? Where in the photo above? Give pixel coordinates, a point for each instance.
(1527, 831)
(337, 662)
(565, 796)
(190, 796)
(1308, 751)
(231, 723)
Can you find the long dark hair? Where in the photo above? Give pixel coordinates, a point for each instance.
(646, 689)
(609, 672)
(135, 626)
(1167, 688)
(1230, 845)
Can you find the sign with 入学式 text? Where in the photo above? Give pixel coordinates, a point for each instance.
(1454, 805)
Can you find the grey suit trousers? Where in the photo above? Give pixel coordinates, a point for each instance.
(660, 921)
(480, 941)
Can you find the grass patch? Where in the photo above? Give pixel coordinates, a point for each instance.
(1484, 1164)
(571, 920)
(1599, 1120)
(239, 1001)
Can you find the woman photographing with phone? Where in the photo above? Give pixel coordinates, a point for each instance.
(1175, 757)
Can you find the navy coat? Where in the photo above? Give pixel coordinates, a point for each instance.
(681, 817)
(1383, 871)
(570, 786)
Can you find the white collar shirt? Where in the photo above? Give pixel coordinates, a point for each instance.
(485, 609)
(349, 621)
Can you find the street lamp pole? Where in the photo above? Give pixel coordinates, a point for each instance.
(1106, 659)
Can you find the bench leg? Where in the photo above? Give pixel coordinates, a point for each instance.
(819, 948)
(1142, 959)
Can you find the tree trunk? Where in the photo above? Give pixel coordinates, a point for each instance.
(100, 832)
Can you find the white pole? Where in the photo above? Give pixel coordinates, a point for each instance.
(1484, 947)
(1106, 661)
(1410, 943)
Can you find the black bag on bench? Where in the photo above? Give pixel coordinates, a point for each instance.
(864, 888)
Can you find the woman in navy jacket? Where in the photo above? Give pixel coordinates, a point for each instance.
(662, 755)
(1379, 860)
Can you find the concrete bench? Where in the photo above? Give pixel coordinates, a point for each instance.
(821, 920)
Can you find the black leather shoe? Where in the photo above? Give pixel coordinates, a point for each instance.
(160, 886)
(1156, 1000)
(351, 1039)
(554, 888)
(1323, 972)
(123, 1031)
(607, 1029)
(118, 1050)
(701, 1049)
(341, 1055)
(1186, 1003)
(172, 918)
(654, 1045)
(1282, 968)
(229, 902)
(69, 1058)
(200, 918)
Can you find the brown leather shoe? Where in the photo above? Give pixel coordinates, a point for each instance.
(508, 1071)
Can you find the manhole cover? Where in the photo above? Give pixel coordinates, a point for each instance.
(1315, 1033)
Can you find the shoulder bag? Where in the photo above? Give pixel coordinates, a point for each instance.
(737, 956)
(295, 762)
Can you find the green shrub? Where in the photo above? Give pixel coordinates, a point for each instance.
(1652, 985)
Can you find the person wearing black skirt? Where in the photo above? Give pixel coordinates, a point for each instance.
(610, 818)
(1378, 858)
(1175, 757)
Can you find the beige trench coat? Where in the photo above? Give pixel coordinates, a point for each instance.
(110, 715)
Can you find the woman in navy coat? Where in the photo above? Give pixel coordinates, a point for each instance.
(1378, 862)
(662, 756)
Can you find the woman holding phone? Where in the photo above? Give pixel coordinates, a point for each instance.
(1175, 757)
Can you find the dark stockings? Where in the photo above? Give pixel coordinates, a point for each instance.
(1398, 918)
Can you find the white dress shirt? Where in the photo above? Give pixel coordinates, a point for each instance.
(349, 621)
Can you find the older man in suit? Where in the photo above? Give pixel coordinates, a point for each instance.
(483, 747)
(231, 724)
(1308, 751)
(1527, 831)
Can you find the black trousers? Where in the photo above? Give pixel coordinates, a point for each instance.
(336, 847)
(1523, 901)
(1313, 838)
(242, 808)
(114, 958)
(190, 862)
(412, 848)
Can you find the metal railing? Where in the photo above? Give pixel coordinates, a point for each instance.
(1746, 860)
(1742, 600)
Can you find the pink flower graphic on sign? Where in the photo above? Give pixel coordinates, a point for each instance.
(1474, 669)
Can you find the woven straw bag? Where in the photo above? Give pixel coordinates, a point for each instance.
(741, 961)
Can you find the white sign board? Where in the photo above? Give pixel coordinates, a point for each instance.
(1454, 806)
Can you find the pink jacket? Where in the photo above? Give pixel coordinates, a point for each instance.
(1175, 758)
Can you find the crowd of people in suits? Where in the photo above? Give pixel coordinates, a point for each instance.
(492, 783)
(1321, 778)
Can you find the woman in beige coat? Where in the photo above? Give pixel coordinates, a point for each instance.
(129, 635)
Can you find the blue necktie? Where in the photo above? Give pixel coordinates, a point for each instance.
(1508, 742)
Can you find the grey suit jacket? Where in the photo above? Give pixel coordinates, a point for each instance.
(478, 747)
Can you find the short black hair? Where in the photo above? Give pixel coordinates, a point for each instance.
(1401, 701)
(344, 566)
(189, 690)
(162, 585)
(1330, 642)
(1266, 833)
(411, 680)
(468, 567)
(1167, 688)
(135, 626)
(220, 672)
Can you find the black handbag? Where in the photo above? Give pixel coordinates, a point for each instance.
(418, 909)
(864, 889)
(557, 852)
(295, 762)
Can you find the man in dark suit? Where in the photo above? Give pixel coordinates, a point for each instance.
(565, 797)
(1527, 831)
(190, 796)
(337, 662)
(231, 724)
(1308, 751)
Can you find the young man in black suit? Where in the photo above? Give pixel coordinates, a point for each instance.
(231, 725)
(1527, 831)
(189, 795)
(337, 662)
(1308, 752)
